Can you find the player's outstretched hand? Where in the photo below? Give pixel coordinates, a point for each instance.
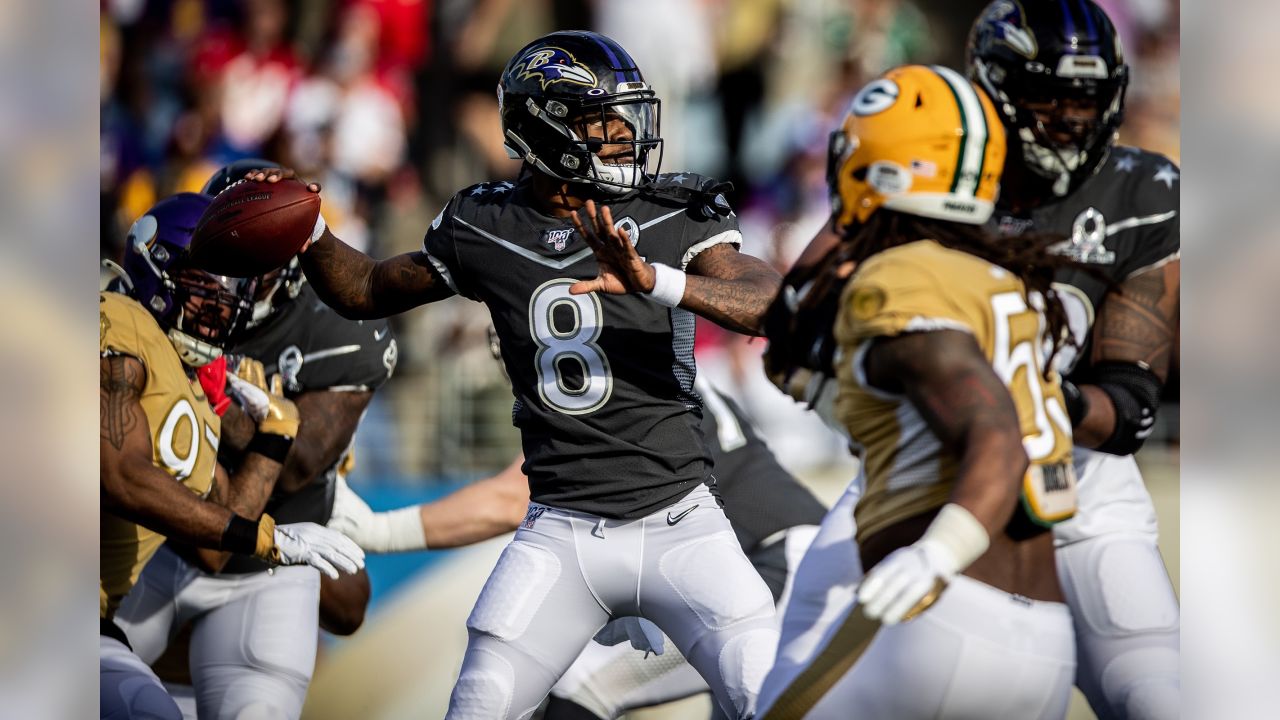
(274, 175)
(326, 550)
(622, 270)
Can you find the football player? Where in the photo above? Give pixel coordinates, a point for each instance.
(1058, 76)
(330, 367)
(945, 336)
(160, 424)
(596, 318)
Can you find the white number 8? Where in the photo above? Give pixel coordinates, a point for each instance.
(576, 342)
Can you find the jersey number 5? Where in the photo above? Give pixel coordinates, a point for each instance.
(574, 343)
(1010, 356)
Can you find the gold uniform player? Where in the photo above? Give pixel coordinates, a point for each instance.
(937, 334)
(162, 383)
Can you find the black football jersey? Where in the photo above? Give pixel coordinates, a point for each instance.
(1123, 220)
(603, 384)
(315, 349)
(760, 497)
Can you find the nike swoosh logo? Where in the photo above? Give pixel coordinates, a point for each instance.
(673, 520)
(379, 335)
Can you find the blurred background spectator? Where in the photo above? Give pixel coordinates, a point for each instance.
(390, 105)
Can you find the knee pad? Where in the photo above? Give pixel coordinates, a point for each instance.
(484, 689)
(517, 587)
(1142, 684)
(744, 661)
(716, 581)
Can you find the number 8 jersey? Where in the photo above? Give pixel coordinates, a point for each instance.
(603, 384)
(921, 287)
(184, 433)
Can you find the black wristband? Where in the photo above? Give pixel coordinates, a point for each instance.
(240, 536)
(1077, 403)
(272, 447)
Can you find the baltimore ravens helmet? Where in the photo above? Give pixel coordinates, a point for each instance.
(1037, 58)
(570, 97)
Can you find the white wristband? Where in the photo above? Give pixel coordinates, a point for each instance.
(957, 531)
(404, 530)
(316, 232)
(668, 285)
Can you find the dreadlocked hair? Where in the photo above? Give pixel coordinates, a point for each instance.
(1030, 257)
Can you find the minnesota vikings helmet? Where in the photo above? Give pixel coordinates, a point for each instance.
(1057, 74)
(199, 311)
(575, 106)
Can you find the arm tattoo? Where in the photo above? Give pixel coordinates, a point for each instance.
(947, 378)
(731, 289)
(360, 288)
(121, 382)
(1138, 322)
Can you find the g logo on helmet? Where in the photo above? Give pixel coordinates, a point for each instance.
(876, 97)
(552, 65)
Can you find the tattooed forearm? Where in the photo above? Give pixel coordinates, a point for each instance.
(947, 378)
(731, 289)
(1139, 321)
(121, 382)
(360, 288)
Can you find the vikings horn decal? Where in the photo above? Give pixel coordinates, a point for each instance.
(551, 65)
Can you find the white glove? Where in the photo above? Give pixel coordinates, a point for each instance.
(377, 532)
(307, 543)
(911, 578)
(644, 635)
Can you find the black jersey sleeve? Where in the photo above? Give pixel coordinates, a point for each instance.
(711, 220)
(348, 356)
(1150, 234)
(440, 247)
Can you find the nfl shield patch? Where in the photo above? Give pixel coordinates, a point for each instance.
(558, 238)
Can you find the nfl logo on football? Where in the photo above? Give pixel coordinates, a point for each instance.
(558, 239)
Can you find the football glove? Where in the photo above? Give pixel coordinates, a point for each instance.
(266, 404)
(326, 550)
(376, 532)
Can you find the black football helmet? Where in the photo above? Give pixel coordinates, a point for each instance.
(575, 106)
(1057, 74)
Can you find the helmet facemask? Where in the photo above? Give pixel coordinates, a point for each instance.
(211, 309)
(613, 145)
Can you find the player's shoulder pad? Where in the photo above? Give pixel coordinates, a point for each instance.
(125, 326)
(475, 198)
(701, 194)
(1149, 181)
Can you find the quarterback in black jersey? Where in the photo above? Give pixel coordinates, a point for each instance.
(594, 307)
(330, 367)
(1058, 74)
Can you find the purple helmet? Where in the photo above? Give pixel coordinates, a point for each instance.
(199, 311)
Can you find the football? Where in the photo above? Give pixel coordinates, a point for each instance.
(254, 227)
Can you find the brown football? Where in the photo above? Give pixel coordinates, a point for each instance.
(253, 228)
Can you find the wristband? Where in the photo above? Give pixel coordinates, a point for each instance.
(316, 232)
(270, 446)
(960, 533)
(668, 285)
(246, 537)
(404, 530)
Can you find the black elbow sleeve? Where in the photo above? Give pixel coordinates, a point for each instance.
(1135, 392)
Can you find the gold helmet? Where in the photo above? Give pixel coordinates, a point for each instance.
(919, 140)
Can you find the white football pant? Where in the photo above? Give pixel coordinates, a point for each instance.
(978, 653)
(565, 574)
(1125, 611)
(128, 688)
(253, 642)
(611, 680)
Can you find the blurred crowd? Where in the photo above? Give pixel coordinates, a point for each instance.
(390, 105)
